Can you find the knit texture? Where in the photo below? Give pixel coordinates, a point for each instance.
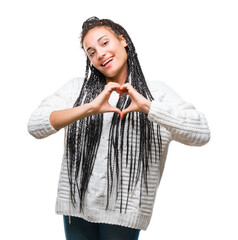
(179, 121)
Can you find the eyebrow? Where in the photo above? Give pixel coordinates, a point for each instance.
(97, 41)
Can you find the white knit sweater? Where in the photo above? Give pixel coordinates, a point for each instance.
(179, 121)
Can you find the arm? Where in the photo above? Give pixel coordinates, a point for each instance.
(54, 114)
(62, 118)
(39, 125)
(100, 104)
(186, 124)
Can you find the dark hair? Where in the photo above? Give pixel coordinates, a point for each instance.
(83, 136)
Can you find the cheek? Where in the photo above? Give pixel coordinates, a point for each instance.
(123, 54)
(94, 62)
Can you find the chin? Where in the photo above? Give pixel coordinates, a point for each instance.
(110, 74)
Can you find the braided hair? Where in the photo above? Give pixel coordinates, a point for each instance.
(83, 136)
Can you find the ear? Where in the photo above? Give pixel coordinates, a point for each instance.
(123, 41)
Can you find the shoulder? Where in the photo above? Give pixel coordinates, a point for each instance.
(158, 87)
(161, 90)
(74, 84)
(70, 90)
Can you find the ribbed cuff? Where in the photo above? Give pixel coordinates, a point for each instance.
(40, 126)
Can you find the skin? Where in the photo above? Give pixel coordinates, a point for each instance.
(100, 44)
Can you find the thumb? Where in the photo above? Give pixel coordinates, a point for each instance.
(125, 111)
(117, 110)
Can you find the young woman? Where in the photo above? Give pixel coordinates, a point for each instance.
(117, 133)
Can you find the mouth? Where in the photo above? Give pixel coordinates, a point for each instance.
(106, 63)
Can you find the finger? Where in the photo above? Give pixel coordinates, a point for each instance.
(122, 92)
(114, 88)
(112, 85)
(128, 89)
(125, 111)
(126, 86)
(114, 109)
(118, 91)
(109, 89)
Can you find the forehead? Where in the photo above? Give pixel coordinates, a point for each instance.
(96, 33)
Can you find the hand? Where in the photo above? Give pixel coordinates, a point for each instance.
(101, 105)
(138, 102)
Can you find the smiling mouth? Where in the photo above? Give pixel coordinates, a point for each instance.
(106, 62)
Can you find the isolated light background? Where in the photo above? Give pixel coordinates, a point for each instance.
(190, 45)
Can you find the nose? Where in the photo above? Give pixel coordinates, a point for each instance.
(101, 53)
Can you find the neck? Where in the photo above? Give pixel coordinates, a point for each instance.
(119, 78)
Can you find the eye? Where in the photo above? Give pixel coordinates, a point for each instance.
(105, 43)
(91, 54)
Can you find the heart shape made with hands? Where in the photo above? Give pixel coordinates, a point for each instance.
(138, 102)
(120, 93)
(121, 90)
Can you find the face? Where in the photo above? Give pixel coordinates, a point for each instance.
(106, 51)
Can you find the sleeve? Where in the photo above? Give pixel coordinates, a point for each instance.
(181, 119)
(39, 122)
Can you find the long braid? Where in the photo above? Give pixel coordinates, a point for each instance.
(83, 136)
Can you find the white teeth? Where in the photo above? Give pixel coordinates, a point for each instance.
(107, 61)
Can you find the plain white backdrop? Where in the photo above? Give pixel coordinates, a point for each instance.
(190, 45)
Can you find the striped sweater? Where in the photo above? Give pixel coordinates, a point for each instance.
(178, 121)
